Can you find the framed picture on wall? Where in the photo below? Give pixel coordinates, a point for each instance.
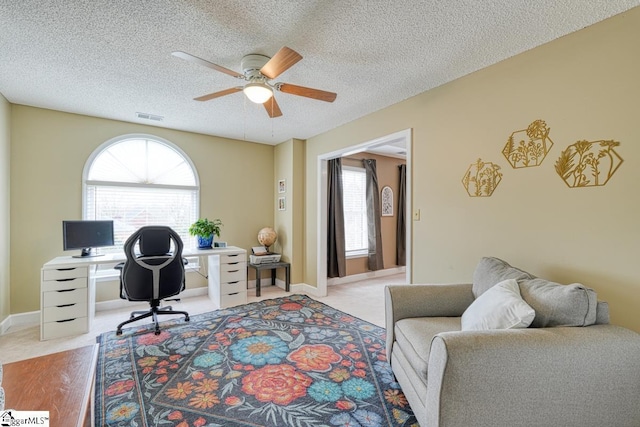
(387, 201)
(282, 186)
(281, 204)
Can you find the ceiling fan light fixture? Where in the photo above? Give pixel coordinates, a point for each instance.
(258, 92)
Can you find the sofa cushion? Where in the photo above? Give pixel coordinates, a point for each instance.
(491, 271)
(413, 339)
(500, 307)
(559, 305)
(602, 313)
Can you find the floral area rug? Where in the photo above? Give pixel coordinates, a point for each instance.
(289, 361)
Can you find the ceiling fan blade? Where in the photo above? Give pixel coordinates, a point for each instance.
(272, 107)
(281, 62)
(308, 92)
(218, 94)
(195, 59)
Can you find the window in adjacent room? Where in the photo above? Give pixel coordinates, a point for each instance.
(139, 180)
(355, 211)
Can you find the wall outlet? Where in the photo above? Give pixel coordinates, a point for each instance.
(416, 215)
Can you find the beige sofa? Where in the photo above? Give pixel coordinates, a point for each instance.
(570, 367)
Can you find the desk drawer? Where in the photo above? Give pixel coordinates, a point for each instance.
(65, 312)
(233, 266)
(65, 273)
(230, 258)
(68, 328)
(59, 285)
(233, 287)
(233, 299)
(71, 296)
(233, 275)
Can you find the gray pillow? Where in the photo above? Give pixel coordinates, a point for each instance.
(491, 271)
(559, 305)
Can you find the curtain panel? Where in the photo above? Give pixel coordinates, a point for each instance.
(401, 230)
(336, 260)
(373, 216)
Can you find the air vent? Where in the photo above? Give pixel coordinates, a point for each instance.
(147, 116)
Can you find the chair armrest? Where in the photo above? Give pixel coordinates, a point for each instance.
(119, 266)
(185, 261)
(565, 376)
(424, 300)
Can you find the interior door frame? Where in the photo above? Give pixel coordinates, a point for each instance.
(321, 232)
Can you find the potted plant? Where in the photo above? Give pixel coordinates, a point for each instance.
(205, 229)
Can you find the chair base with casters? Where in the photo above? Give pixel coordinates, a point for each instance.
(155, 311)
(154, 272)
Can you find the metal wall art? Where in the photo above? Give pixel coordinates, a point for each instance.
(588, 163)
(583, 164)
(481, 179)
(528, 147)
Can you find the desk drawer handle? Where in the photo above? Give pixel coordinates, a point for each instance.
(66, 290)
(233, 263)
(233, 283)
(66, 320)
(65, 280)
(233, 271)
(235, 293)
(65, 305)
(66, 269)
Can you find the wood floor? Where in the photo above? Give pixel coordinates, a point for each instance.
(364, 300)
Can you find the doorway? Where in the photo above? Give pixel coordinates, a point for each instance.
(401, 139)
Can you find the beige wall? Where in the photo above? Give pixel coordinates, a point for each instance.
(388, 175)
(5, 136)
(289, 223)
(585, 86)
(48, 152)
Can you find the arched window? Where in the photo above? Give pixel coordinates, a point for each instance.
(138, 180)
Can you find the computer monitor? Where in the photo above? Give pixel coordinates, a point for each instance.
(86, 235)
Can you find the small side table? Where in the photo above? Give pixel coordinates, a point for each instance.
(273, 266)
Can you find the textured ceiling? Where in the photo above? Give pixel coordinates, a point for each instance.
(113, 58)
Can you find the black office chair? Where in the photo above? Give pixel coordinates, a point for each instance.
(154, 274)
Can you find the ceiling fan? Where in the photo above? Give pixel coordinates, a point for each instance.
(257, 70)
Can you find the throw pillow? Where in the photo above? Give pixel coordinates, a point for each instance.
(491, 271)
(559, 305)
(501, 307)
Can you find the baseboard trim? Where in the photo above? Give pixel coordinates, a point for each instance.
(117, 304)
(365, 276)
(30, 318)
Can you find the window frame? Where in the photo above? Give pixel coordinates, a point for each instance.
(136, 136)
(363, 252)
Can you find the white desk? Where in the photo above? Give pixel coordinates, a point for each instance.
(68, 284)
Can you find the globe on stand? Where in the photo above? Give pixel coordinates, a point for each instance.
(267, 237)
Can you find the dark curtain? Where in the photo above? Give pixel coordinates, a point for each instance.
(373, 216)
(401, 231)
(336, 264)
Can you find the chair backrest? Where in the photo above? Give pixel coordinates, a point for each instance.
(156, 272)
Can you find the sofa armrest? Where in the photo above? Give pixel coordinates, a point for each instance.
(437, 300)
(565, 376)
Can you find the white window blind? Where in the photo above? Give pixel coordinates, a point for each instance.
(141, 181)
(355, 210)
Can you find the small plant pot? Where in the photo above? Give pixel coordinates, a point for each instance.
(205, 242)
